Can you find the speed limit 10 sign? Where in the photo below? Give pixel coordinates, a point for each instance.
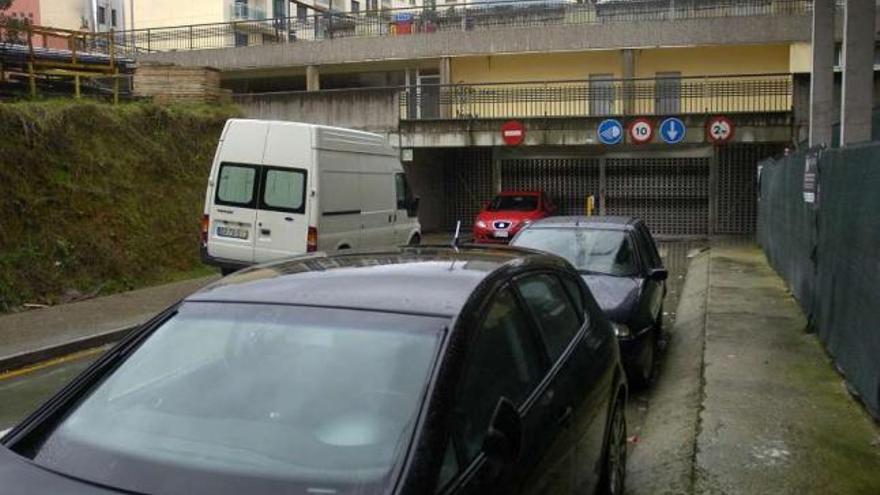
(719, 130)
(641, 131)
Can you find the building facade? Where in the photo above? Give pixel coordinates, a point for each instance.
(692, 96)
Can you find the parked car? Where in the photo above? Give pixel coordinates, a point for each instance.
(278, 189)
(460, 371)
(509, 212)
(619, 261)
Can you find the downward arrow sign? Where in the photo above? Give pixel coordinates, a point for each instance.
(672, 132)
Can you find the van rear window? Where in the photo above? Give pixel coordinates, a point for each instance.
(236, 183)
(284, 190)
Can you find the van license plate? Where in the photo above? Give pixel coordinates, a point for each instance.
(233, 233)
(502, 234)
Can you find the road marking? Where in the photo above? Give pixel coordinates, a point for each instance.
(52, 362)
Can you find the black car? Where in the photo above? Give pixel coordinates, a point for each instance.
(415, 371)
(619, 261)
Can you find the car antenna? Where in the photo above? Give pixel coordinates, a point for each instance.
(456, 237)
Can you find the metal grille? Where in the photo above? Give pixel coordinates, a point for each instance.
(737, 186)
(468, 180)
(568, 181)
(670, 194)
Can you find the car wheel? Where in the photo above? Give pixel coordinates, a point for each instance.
(415, 240)
(614, 471)
(644, 371)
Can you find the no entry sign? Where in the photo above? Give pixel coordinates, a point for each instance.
(719, 130)
(641, 131)
(513, 132)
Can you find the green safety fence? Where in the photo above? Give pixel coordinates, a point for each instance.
(829, 252)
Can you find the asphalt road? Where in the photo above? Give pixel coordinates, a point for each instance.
(23, 390)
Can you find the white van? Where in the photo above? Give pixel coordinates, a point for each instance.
(278, 189)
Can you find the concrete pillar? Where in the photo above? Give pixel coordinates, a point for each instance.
(858, 72)
(822, 75)
(628, 70)
(445, 78)
(313, 78)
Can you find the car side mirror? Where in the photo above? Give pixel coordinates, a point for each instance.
(658, 274)
(412, 209)
(503, 441)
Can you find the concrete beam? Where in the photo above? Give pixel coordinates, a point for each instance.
(313, 78)
(858, 72)
(628, 69)
(550, 38)
(822, 79)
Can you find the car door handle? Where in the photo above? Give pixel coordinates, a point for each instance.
(288, 219)
(564, 418)
(265, 232)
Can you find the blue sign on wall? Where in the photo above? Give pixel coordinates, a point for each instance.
(672, 130)
(610, 131)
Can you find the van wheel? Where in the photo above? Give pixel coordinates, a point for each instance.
(227, 271)
(343, 247)
(415, 240)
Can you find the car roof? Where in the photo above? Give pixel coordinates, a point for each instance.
(609, 222)
(417, 280)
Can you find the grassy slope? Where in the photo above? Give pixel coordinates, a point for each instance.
(96, 197)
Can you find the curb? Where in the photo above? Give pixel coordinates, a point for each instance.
(23, 359)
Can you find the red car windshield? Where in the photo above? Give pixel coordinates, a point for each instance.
(514, 203)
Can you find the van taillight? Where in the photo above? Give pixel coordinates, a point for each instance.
(312, 240)
(206, 220)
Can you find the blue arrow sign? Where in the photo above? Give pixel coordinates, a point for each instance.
(672, 130)
(610, 131)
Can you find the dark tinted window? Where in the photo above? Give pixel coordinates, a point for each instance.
(576, 293)
(589, 250)
(402, 190)
(504, 361)
(514, 203)
(551, 305)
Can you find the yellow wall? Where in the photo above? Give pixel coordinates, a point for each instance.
(714, 60)
(535, 67)
(801, 58)
(61, 14)
(160, 13)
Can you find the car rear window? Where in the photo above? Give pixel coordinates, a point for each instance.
(522, 202)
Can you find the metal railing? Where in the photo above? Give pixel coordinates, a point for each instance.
(470, 17)
(619, 97)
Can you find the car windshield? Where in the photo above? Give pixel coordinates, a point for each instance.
(522, 202)
(252, 398)
(594, 251)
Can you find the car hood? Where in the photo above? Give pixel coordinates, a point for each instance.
(514, 216)
(20, 476)
(616, 296)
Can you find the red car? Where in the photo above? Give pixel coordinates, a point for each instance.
(510, 211)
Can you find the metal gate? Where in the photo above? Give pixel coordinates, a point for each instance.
(468, 181)
(670, 194)
(568, 181)
(738, 186)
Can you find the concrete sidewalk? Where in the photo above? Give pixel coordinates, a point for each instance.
(776, 418)
(41, 334)
(746, 402)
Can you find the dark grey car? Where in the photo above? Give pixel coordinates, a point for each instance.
(411, 371)
(618, 259)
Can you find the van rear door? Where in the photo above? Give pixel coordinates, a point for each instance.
(233, 213)
(283, 203)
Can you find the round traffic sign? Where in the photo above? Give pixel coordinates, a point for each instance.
(513, 132)
(673, 130)
(610, 131)
(719, 130)
(641, 131)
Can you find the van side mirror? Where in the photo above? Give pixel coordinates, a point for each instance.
(412, 209)
(503, 441)
(658, 274)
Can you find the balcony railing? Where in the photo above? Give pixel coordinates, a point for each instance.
(471, 17)
(622, 97)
